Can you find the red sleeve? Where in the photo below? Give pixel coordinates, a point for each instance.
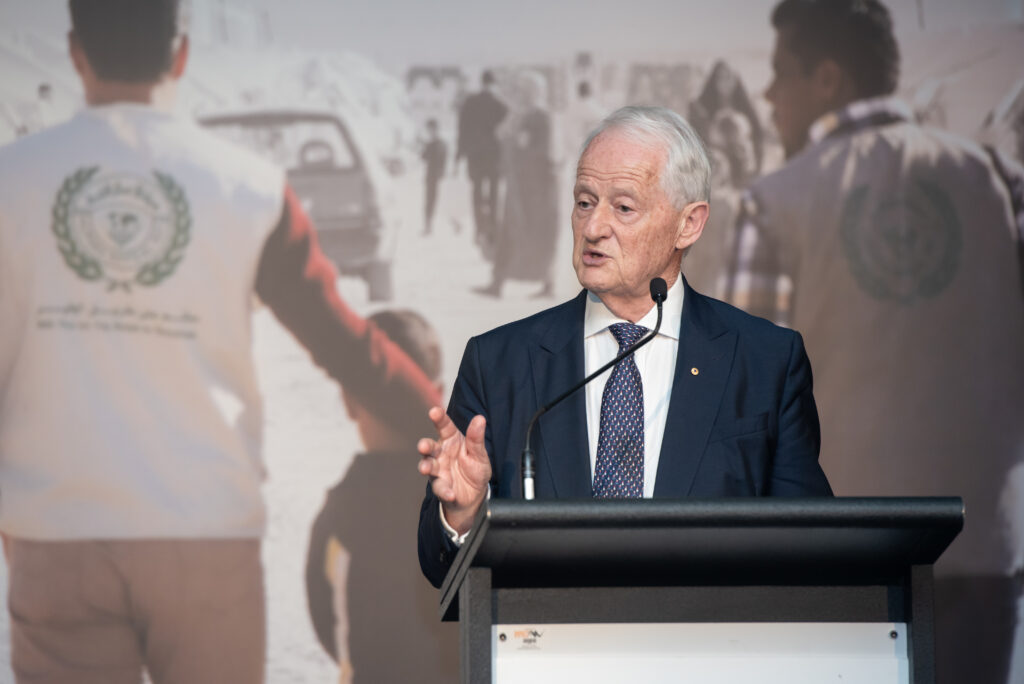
(297, 281)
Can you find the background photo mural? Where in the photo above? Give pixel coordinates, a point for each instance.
(919, 372)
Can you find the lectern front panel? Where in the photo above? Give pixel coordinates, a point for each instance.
(702, 653)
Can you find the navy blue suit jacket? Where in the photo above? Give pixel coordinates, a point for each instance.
(745, 424)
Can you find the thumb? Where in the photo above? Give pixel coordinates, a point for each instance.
(475, 437)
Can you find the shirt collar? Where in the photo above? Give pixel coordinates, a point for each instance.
(597, 317)
(885, 108)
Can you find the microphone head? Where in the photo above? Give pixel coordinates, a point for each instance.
(659, 290)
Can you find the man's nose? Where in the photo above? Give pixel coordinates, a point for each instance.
(598, 224)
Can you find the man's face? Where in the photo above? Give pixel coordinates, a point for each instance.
(625, 229)
(793, 96)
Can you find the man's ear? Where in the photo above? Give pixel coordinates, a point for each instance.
(180, 58)
(829, 83)
(691, 223)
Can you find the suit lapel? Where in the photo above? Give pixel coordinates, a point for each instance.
(708, 347)
(560, 436)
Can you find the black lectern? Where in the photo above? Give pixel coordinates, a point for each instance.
(732, 564)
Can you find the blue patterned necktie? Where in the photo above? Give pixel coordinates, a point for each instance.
(619, 470)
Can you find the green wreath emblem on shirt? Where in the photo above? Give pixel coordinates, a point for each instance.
(120, 227)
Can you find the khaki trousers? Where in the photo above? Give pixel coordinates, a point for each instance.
(186, 611)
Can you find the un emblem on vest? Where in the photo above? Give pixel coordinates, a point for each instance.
(121, 228)
(901, 246)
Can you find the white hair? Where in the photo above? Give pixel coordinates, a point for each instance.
(686, 177)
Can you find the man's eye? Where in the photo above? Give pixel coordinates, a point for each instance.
(583, 204)
(625, 208)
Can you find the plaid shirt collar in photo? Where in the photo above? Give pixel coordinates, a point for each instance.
(755, 281)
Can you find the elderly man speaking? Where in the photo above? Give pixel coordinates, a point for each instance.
(718, 404)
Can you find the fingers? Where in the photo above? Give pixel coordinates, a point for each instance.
(435, 414)
(439, 484)
(442, 423)
(427, 466)
(429, 448)
(441, 456)
(430, 465)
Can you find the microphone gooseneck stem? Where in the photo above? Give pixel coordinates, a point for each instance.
(528, 459)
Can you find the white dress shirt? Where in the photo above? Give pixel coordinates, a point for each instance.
(656, 361)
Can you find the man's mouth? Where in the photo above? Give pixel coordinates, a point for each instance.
(592, 257)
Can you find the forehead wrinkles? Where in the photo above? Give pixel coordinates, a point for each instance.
(632, 174)
(615, 158)
(624, 178)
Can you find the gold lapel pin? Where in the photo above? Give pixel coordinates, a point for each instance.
(694, 371)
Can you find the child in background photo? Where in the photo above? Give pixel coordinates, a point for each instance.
(372, 610)
(434, 155)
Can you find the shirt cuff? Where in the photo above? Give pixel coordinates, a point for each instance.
(453, 535)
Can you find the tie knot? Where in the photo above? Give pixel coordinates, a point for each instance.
(627, 334)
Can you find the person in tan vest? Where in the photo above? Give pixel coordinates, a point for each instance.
(893, 248)
(133, 244)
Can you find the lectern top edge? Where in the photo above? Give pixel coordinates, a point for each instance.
(943, 512)
(817, 537)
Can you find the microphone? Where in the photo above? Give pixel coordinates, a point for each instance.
(659, 292)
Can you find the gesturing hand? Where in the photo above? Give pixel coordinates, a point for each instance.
(458, 467)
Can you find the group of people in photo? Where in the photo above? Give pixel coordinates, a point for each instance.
(843, 315)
